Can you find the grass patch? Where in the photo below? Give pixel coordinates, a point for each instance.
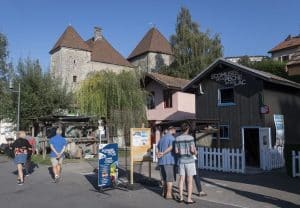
(38, 159)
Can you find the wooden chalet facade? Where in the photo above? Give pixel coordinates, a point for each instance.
(245, 100)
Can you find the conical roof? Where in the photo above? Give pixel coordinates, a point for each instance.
(153, 41)
(70, 39)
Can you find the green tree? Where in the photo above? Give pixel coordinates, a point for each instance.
(118, 98)
(6, 110)
(267, 65)
(193, 50)
(41, 95)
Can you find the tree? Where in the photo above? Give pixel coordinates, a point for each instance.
(118, 98)
(193, 50)
(6, 109)
(41, 95)
(267, 65)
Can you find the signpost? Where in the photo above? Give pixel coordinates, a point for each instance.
(107, 165)
(140, 145)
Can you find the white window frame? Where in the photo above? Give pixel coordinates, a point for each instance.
(219, 97)
(225, 138)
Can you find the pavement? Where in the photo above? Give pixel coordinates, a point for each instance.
(254, 189)
(77, 189)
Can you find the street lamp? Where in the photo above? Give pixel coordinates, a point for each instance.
(11, 87)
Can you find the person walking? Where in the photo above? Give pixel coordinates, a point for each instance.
(166, 161)
(185, 148)
(57, 145)
(20, 148)
(28, 165)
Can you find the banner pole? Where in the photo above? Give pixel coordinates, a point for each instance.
(131, 159)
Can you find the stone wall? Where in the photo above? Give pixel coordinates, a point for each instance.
(152, 61)
(69, 63)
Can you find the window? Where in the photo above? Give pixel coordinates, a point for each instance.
(226, 96)
(167, 98)
(285, 58)
(224, 132)
(151, 101)
(74, 79)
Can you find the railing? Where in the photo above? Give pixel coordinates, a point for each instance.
(226, 160)
(296, 163)
(272, 158)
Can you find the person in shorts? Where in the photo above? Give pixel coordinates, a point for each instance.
(57, 145)
(166, 161)
(185, 148)
(21, 147)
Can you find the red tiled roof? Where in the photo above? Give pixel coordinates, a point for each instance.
(168, 81)
(103, 52)
(153, 41)
(70, 39)
(289, 42)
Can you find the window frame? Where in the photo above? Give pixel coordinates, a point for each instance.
(228, 132)
(219, 101)
(151, 100)
(74, 79)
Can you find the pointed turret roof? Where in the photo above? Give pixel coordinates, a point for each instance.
(70, 39)
(102, 51)
(153, 41)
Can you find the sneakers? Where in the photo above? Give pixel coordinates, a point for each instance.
(56, 179)
(19, 182)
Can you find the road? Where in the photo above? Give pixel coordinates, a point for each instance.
(76, 190)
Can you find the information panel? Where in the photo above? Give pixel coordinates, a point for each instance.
(108, 164)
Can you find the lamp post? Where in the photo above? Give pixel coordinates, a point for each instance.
(19, 101)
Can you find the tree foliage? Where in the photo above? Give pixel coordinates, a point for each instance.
(267, 65)
(193, 50)
(117, 97)
(41, 95)
(6, 109)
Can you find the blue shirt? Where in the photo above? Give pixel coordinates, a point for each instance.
(164, 143)
(58, 142)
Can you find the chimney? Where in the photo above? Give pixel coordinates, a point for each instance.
(97, 33)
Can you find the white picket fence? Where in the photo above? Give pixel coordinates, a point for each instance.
(272, 158)
(226, 160)
(296, 163)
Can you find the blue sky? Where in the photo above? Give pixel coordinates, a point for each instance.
(246, 26)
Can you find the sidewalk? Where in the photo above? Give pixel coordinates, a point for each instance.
(261, 189)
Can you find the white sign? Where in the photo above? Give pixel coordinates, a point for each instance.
(279, 125)
(230, 78)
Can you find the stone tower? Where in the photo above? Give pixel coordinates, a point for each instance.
(72, 58)
(152, 52)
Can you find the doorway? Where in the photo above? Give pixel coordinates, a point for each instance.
(251, 145)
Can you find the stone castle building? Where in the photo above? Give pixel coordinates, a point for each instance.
(152, 52)
(72, 58)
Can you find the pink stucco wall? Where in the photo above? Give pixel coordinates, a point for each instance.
(183, 105)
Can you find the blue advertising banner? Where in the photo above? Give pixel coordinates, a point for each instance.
(108, 164)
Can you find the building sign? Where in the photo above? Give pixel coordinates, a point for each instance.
(108, 164)
(279, 125)
(229, 78)
(140, 142)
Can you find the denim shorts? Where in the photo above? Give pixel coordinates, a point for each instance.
(20, 158)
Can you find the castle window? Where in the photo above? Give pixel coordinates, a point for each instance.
(74, 61)
(74, 79)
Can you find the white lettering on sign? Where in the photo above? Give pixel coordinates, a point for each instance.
(230, 78)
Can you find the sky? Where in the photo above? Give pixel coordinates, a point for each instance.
(246, 27)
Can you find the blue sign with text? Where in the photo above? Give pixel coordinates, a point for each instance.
(108, 164)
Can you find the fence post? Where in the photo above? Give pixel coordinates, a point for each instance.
(294, 163)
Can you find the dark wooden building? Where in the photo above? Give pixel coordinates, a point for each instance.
(246, 102)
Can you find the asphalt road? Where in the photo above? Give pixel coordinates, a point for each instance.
(76, 190)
